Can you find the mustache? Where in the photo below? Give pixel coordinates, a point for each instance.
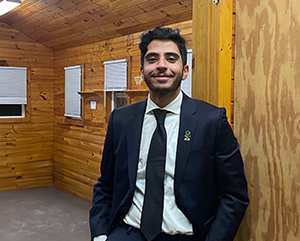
(162, 74)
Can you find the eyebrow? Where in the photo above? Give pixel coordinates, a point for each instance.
(166, 54)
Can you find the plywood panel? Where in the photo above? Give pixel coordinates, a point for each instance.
(267, 116)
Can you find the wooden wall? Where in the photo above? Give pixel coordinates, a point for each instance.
(267, 116)
(213, 52)
(78, 144)
(26, 146)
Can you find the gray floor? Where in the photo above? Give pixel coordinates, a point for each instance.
(43, 214)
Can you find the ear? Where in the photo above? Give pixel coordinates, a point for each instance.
(142, 72)
(185, 72)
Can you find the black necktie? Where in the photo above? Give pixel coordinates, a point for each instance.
(154, 193)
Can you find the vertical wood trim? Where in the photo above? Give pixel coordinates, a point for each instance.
(206, 35)
(225, 56)
(212, 52)
(129, 80)
(28, 105)
(82, 89)
(200, 68)
(108, 105)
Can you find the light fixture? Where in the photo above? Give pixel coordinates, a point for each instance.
(8, 5)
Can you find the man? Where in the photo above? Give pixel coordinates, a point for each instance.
(203, 192)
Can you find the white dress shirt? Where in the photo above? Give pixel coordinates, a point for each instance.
(174, 221)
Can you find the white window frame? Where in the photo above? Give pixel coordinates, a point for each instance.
(15, 116)
(115, 78)
(113, 104)
(13, 88)
(73, 84)
(115, 75)
(186, 85)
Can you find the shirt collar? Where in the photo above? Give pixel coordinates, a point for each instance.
(173, 107)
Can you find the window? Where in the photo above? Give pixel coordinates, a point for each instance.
(12, 111)
(72, 86)
(186, 85)
(115, 80)
(119, 99)
(13, 92)
(115, 75)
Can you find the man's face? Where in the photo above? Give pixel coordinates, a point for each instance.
(163, 69)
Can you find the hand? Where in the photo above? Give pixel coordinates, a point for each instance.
(100, 238)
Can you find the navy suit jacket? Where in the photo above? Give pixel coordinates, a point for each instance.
(209, 184)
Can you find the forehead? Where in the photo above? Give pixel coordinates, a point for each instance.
(162, 47)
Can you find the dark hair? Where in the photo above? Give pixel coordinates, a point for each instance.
(163, 33)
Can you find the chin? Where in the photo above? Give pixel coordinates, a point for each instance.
(163, 89)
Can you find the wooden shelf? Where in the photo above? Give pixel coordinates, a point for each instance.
(133, 92)
(136, 92)
(90, 92)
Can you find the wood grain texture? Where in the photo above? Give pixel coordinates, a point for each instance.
(213, 54)
(78, 145)
(62, 24)
(267, 116)
(26, 145)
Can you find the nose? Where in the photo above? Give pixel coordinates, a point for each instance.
(162, 64)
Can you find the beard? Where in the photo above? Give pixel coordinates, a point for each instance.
(164, 90)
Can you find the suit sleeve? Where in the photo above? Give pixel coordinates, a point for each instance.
(231, 183)
(102, 194)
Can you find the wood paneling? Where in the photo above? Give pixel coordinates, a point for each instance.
(213, 55)
(267, 116)
(62, 24)
(26, 145)
(48, 149)
(78, 147)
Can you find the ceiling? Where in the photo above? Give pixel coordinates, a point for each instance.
(62, 24)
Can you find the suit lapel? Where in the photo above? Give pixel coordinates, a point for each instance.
(185, 139)
(134, 131)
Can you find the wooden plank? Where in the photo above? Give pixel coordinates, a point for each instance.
(68, 185)
(201, 50)
(212, 53)
(225, 56)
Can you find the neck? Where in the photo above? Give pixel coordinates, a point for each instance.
(163, 100)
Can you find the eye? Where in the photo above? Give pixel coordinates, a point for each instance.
(172, 59)
(151, 59)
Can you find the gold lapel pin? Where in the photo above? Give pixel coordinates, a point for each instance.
(187, 136)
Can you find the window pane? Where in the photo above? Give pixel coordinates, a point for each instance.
(120, 99)
(72, 86)
(13, 85)
(10, 110)
(115, 75)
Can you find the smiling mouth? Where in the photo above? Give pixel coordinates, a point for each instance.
(161, 77)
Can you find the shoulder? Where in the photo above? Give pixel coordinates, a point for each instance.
(132, 108)
(202, 106)
(129, 111)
